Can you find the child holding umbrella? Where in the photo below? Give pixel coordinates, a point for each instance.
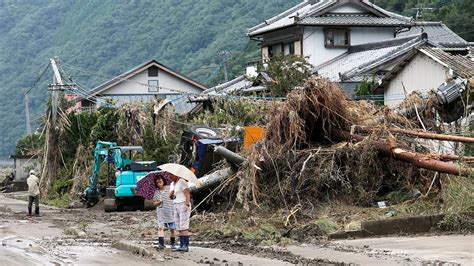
(181, 195)
(164, 210)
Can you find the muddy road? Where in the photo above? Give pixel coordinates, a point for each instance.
(92, 237)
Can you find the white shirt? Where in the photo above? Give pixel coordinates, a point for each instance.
(179, 188)
(33, 185)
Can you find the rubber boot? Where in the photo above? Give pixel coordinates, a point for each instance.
(181, 243)
(185, 247)
(173, 242)
(161, 242)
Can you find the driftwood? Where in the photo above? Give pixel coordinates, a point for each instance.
(417, 159)
(422, 135)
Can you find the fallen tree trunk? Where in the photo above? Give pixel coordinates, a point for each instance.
(450, 157)
(416, 159)
(422, 135)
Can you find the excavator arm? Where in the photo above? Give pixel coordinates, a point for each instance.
(103, 150)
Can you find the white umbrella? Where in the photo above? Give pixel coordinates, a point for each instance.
(180, 171)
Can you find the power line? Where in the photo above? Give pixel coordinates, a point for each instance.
(38, 79)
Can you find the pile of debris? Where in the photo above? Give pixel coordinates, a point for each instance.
(312, 150)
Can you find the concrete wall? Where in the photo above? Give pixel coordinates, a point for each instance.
(23, 167)
(422, 74)
(313, 41)
(165, 80)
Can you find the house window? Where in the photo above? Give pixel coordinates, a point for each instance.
(153, 86)
(336, 38)
(153, 71)
(289, 48)
(274, 50)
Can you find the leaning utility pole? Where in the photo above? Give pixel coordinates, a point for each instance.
(52, 149)
(55, 87)
(224, 55)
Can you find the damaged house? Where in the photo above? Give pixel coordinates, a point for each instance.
(349, 41)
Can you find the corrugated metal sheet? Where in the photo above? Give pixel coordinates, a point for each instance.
(237, 84)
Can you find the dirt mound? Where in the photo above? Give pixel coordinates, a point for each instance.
(309, 233)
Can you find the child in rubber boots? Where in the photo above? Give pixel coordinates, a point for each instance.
(182, 210)
(164, 212)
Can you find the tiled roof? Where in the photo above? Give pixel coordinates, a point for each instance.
(130, 73)
(313, 13)
(352, 20)
(359, 63)
(438, 33)
(461, 65)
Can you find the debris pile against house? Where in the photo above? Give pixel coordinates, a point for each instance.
(313, 150)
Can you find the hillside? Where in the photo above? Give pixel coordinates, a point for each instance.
(109, 37)
(96, 40)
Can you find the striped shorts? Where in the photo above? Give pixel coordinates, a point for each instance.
(181, 216)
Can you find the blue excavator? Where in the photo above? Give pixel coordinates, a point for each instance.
(122, 176)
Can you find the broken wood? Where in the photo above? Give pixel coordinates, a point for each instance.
(422, 135)
(416, 159)
(451, 157)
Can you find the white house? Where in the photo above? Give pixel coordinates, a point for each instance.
(424, 69)
(148, 80)
(367, 62)
(323, 30)
(349, 41)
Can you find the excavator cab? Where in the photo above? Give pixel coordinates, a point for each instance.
(125, 167)
(121, 191)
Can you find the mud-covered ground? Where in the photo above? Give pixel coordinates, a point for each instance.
(89, 237)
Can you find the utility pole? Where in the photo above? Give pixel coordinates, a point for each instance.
(224, 54)
(55, 87)
(28, 120)
(419, 10)
(52, 149)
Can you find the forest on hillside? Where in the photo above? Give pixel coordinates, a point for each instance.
(97, 40)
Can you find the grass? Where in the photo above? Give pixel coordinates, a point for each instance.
(59, 201)
(83, 225)
(327, 225)
(458, 204)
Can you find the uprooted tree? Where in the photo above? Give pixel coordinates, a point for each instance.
(310, 152)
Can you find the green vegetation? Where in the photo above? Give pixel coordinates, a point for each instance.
(58, 201)
(327, 225)
(458, 15)
(286, 72)
(365, 88)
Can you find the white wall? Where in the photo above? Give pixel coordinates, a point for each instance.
(22, 168)
(422, 74)
(348, 8)
(166, 80)
(313, 42)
